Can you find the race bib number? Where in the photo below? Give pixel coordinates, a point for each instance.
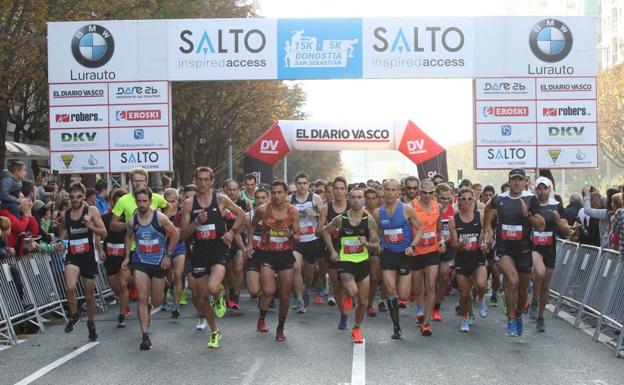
(542, 238)
(352, 247)
(470, 243)
(278, 243)
(255, 241)
(428, 239)
(149, 246)
(307, 229)
(511, 232)
(393, 236)
(447, 235)
(79, 246)
(205, 232)
(115, 249)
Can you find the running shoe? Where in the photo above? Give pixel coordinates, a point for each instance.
(533, 310)
(331, 301)
(396, 335)
(381, 306)
(342, 325)
(236, 305)
(279, 335)
(402, 304)
(229, 303)
(425, 330)
(219, 306)
(201, 324)
(483, 310)
(121, 321)
(539, 325)
(92, 333)
(511, 330)
(73, 321)
(370, 310)
(165, 307)
(183, 300)
(519, 326)
(465, 325)
(493, 299)
(472, 320)
(146, 344)
(215, 338)
(175, 313)
(356, 334)
(301, 308)
(436, 315)
(347, 303)
(261, 326)
(318, 299)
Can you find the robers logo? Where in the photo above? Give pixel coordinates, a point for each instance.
(550, 40)
(67, 160)
(554, 154)
(92, 46)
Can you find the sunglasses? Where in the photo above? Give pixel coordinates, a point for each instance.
(444, 199)
(427, 192)
(466, 199)
(411, 188)
(75, 197)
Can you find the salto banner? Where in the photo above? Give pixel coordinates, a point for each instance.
(232, 49)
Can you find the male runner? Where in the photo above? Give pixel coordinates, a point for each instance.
(280, 231)
(372, 202)
(308, 250)
(516, 212)
(79, 224)
(400, 230)
(261, 196)
(335, 207)
(426, 259)
(544, 248)
(410, 189)
(175, 275)
(151, 258)
(358, 236)
(486, 195)
(465, 228)
(203, 221)
(248, 193)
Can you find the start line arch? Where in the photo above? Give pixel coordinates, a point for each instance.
(287, 135)
(534, 84)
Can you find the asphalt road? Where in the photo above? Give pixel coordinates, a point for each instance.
(316, 352)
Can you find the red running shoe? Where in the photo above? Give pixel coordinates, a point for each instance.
(402, 304)
(318, 299)
(425, 330)
(235, 305)
(357, 336)
(229, 303)
(262, 328)
(436, 315)
(279, 335)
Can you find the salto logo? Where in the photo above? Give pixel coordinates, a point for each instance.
(416, 146)
(268, 146)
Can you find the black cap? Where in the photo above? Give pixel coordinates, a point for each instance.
(517, 172)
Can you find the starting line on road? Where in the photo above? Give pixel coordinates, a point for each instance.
(48, 368)
(358, 368)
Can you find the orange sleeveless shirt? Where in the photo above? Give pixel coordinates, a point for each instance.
(429, 241)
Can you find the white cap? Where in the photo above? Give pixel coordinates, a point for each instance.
(543, 180)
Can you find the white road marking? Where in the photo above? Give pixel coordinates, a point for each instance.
(41, 372)
(358, 369)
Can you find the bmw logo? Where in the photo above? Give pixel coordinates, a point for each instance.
(92, 46)
(550, 40)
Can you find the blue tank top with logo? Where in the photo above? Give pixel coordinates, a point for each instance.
(150, 241)
(396, 231)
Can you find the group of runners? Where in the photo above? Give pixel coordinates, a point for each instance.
(403, 238)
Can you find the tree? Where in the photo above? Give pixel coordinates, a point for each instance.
(611, 113)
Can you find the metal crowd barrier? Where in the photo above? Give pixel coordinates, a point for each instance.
(590, 281)
(34, 286)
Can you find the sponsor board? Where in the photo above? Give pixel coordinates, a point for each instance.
(212, 49)
(505, 88)
(319, 48)
(139, 137)
(566, 133)
(566, 111)
(418, 47)
(138, 92)
(78, 117)
(81, 94)
(68, 162)
(340, 136)
(75, 139)
(510, 134)
(497, 111)
(505, 157)
(151, 160)
(139, 115)
(568, 156)
(566, 88)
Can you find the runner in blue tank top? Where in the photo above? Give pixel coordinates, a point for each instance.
(151, 258)
(399, 232)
